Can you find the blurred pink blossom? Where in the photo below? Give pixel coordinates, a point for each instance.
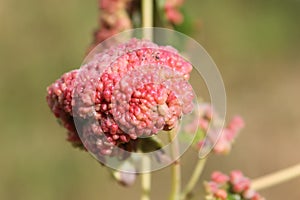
(113, 19)
(236, 184)
(173, 14)
(218, 139)
(219, 177)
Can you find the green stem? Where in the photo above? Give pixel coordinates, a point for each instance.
(276, 178)
(187, 192)
(146, 178)
(176, 169)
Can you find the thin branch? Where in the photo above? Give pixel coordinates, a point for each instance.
(276, 178)
(194, 179)
(146, 178)
(147, 21)
(176, 169)
(147, 18)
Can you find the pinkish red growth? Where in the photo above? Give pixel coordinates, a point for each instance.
(221, 194)
(239, 182)
(220, 140)
(172, 12)
(219, 177)
(114, 18)
(59, 99)
(222, 186)
(128, 91)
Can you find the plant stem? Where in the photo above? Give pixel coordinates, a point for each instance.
(176, 170)
(146, 178)
(194, 179)
(147, 21)
(276, 178)
(147, 18)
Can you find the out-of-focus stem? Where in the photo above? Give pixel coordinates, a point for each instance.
(176, 169)
(146, 178)
(147, 21)
(147, 18)
(193, 180)
(276, 178)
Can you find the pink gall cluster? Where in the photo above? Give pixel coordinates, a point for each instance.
(234, 186)
(154, 103)
(209, 123)
(59, 99)
(228, 135)
(114, 18)
(220, 139)
(131, 90)
(172, 12)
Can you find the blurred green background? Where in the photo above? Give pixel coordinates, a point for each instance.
(256, 45)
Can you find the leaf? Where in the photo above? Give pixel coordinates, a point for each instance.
(187, 26)
(149, 144)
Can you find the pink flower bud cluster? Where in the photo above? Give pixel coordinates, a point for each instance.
(128, 91)
(228, 135)
(172, 12)
(153, 104)
(234, 186)
(208, 121)
(114, 18)
(59, 98)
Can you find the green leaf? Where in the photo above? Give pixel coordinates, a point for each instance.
(149, 144)
(187, 26)
(233, 197)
